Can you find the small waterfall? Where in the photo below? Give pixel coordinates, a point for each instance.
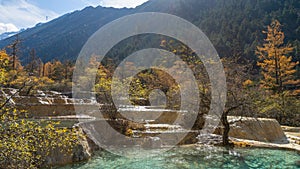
(209, 139)
(45, 100)
(147, 125)
(41, 93)
(66, 100)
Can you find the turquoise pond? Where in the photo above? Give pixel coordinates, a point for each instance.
(196, 157)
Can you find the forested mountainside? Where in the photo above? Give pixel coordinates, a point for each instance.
(234, 26)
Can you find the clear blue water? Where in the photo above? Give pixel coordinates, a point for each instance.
(197, 158)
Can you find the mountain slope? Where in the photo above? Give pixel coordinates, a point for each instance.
(63, 38)
(234, 26)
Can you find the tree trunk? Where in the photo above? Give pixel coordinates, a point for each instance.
(226, 125)
(14, 61)
(44, 69)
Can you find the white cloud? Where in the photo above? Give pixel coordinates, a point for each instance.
(22, 14)
(121, 3)
(7, 28)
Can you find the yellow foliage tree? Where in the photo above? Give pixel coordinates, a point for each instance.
(4, 62)
(48, 69)
(57, 73)
(278, 71)
(277, 68)
(7, 73)
(27, 143)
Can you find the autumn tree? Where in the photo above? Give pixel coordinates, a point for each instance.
(68, 70)
(9, 75)
(278, 69)
(4, 63)
(278, 73)
(28, 144)
(15, 63)
(241, 94)
(47, 69)
(58, 71)
(14, 68)
(240, 97)
(36, 66)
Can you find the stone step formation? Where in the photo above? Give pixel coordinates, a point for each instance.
(162, 127)
(142, 126)
(149, 125)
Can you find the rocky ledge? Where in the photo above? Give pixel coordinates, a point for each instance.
(257, 129)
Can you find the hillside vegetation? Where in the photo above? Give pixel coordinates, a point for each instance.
(233, 26)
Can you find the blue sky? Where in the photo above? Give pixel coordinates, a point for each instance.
(18, 14)
(62, 6)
